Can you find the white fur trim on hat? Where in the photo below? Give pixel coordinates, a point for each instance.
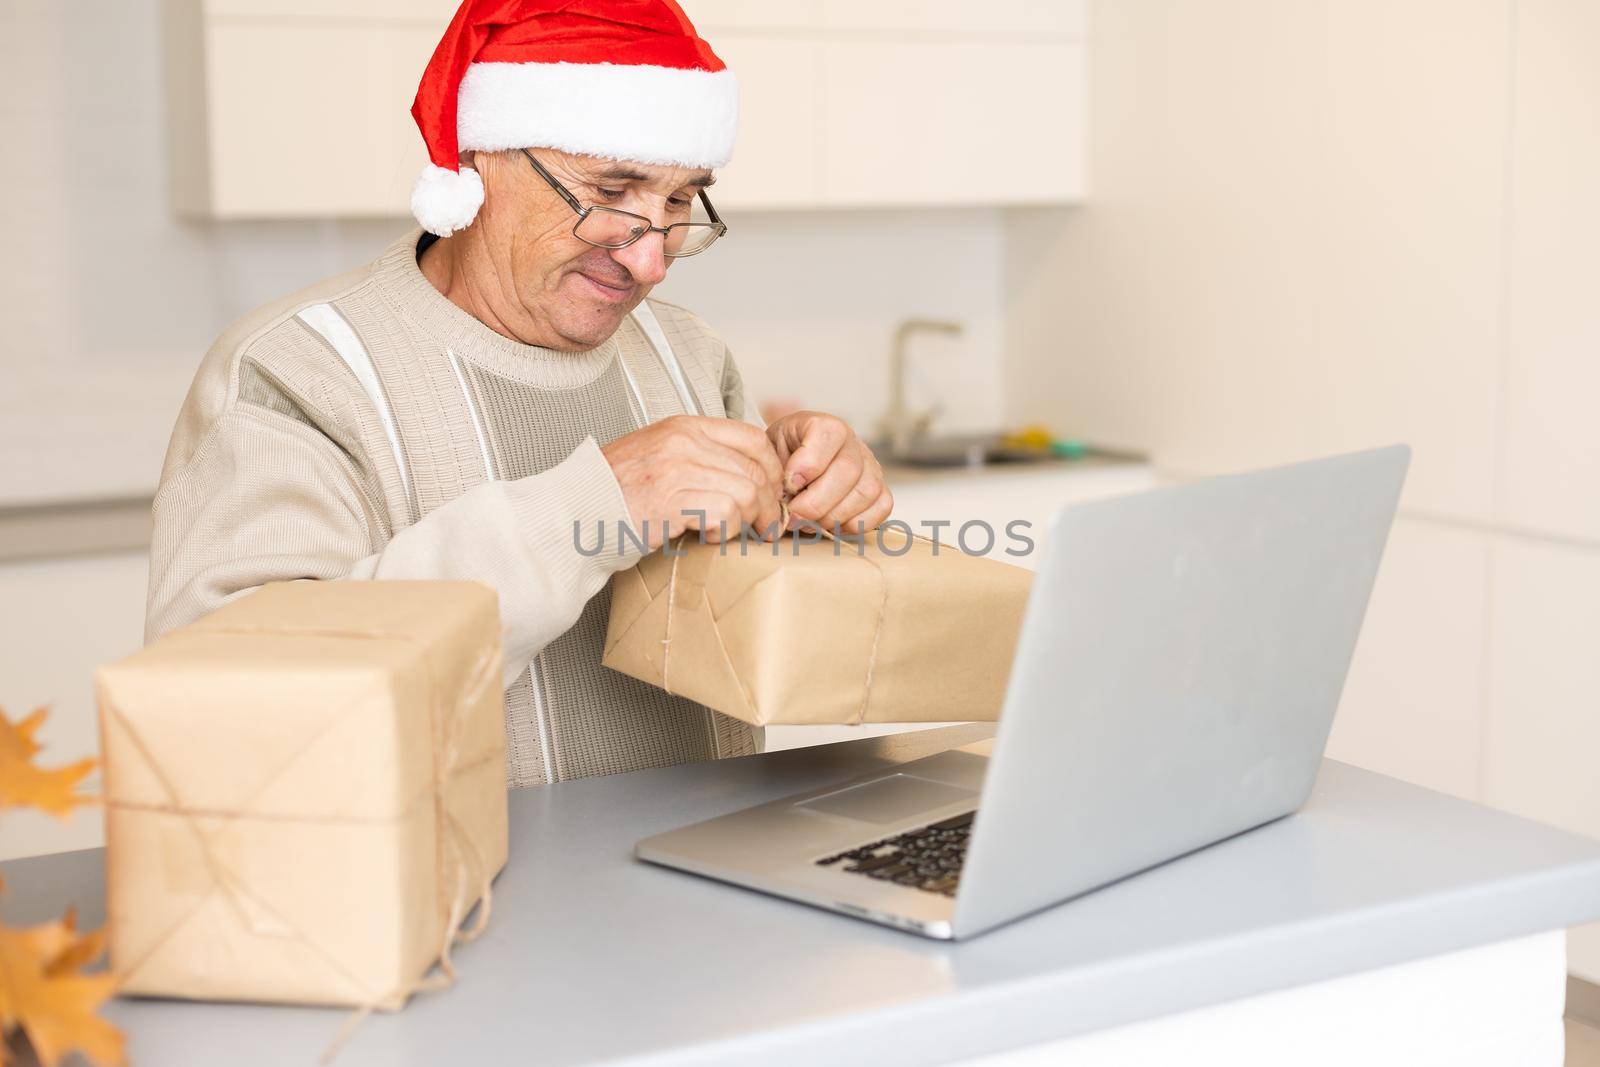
(642, 113)
(445, 201)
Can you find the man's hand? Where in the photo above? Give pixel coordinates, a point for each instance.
(673, 470)
(835, 480)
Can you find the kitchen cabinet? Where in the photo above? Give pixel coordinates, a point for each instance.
(437, 12)
(710, 16)
(1015, 18)
(306, 121)
(775, 161)
(1541, 733)
(997, 17)
(929, 123)
(930, 499)
(299, 109)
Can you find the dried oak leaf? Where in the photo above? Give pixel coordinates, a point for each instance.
(45, 995)
(24, 785)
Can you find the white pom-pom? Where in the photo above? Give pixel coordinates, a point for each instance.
(445, 201)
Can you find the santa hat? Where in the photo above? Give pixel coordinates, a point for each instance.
(622, 79)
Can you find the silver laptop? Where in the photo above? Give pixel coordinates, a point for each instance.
(1181, 658)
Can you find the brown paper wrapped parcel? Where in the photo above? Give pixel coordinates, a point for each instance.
(305, 792)
(808, 631)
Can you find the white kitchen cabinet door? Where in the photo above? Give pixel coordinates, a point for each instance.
(706, 15)
(1021, 18)
(775, 158)
(307, 121)
(439, 12)
(935, 123)
(1543, 733)
(279, 114)
(941, 504)
(1000, 17)
(1552, 438)
(736, 15)
(1412, 706)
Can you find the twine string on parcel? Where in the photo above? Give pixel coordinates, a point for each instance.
(672, 583)
(882, 603)
(445, 720)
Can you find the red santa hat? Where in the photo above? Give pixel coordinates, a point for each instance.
(622, 79)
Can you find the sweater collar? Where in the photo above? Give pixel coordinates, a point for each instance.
(413, 295)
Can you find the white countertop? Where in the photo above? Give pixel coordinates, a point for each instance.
(593, 957)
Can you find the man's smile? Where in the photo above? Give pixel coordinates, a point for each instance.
(609, 290)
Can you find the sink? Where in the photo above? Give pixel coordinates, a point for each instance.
(958, 450)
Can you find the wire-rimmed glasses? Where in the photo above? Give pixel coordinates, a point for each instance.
(608, 227)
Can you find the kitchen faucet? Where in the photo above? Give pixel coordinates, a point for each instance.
(899, 426)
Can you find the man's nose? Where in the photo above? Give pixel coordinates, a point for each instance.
(644, 258)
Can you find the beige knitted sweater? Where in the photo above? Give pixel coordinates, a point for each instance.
(367, 427)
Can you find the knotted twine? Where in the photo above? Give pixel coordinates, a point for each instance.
(444, 718)
(783, 525)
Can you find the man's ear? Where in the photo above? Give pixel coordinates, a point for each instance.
(473, 160)
(490, 166)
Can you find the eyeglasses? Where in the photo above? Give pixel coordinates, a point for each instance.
(607, 227)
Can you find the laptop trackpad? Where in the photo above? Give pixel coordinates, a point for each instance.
(889, 799)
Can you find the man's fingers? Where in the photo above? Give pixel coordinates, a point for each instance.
(821, 437)
(713, 513)
(714, 454)
(746, 440)
(707, 511)
(860, 497)
(727, 470)
(874, 516)
(819, 499)
(726, 498)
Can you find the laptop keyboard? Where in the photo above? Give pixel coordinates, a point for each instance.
(929, 857)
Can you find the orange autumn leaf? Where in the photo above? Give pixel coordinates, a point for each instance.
(24, 785)
(45, 995)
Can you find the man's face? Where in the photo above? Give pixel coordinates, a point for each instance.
(575, 291)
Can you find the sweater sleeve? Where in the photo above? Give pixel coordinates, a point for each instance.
(267, 498)
(734, 400)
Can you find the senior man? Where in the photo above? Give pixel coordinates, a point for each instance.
(497, 381)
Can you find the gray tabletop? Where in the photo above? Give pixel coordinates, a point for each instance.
(594, 958)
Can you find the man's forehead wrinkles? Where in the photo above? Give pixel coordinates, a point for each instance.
(622, 173)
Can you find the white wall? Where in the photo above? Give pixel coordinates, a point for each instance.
(1317, 225)
(110, 301)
